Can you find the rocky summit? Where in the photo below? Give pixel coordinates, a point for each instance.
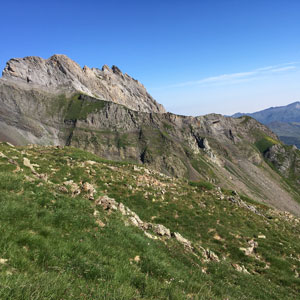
(61, 74)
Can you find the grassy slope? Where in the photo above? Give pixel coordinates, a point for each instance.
(55, 250)
(289, 133)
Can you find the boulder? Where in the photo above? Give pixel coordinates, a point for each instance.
(161, 230)
(107, 203)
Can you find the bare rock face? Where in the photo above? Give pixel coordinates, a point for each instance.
(61, 74)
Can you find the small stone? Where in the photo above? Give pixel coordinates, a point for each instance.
(137, 218)
(137, 169)
(150, 236)
(137, 258)
(249, 251)
(122, 209)
(2, 155)
(3, 261)
(162, 230)
(240, 268)
(26, 163)
(90, 162)
(261, 236)
(147, 226)
(212, 256)
(182, 240)
(107, 203)
(136, 221)
(217, 237)
(10, 145)
(89, 189)
(100, 223)
(63, 189)
(74, 187)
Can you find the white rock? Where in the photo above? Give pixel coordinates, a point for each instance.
(3, 261)
(162, 230)
(261, 236)
(182, 240)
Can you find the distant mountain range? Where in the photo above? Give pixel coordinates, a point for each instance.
(283, 120)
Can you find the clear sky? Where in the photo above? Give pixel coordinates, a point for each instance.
(193, 56)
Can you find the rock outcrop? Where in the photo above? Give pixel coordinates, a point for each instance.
(60, 74)
(285, 158)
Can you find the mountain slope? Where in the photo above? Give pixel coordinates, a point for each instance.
(289, 133)
(229, 152)
(283, 120)
(67, 236)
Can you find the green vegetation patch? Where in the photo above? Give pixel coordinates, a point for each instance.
(202, 185)
(122, 140)
(77, 107)
(80, 106)
(168, 126)
(245, 119)
(265, 143)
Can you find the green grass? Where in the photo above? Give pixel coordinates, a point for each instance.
(246, 119)
(76, 107)
(80, 106)
(55, 250)
(168, 126)
(122, 140)
(265, 143)
(202, 185)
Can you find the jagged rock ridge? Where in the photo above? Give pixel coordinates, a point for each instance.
(61, 74)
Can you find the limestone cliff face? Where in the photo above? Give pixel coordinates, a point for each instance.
(61, 74)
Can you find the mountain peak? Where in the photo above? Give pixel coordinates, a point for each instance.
(116, 70)
(295, 105)
(59, 56)
(59, 73)
(106, 68)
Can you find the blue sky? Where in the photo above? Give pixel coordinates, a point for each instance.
(195, 57)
